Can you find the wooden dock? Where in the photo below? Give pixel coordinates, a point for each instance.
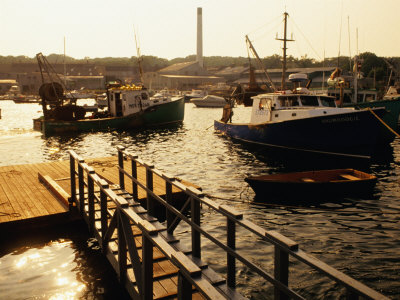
(120, 197)
(27, 202)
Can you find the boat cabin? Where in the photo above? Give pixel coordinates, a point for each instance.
(284, 106)
(127, 100)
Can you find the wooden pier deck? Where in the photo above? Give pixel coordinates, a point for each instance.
(26, 202)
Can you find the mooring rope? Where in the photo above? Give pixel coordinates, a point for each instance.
(383, 122)
(13, 214)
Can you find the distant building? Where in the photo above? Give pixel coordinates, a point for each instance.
(231, 74)
(181, 76)
(124, 73)
(6, 84)
(87, 82)
(317, 75)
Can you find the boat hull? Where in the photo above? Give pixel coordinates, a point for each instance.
(209, 101)
(166, 113)
(316, 185)
(351, 134)
(391, 118)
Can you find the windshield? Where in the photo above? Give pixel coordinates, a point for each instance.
(309, 100)
(286, 101)
(327, 101)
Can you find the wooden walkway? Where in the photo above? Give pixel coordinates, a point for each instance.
(27, 203)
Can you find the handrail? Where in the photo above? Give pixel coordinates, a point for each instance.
(283, 245)
(121, 220)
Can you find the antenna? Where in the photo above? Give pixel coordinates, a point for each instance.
(340, 35)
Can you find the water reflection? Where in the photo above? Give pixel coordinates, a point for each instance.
(49, 267)
(357, 236)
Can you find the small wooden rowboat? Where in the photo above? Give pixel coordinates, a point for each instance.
(321, 184)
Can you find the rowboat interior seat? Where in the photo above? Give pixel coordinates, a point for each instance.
(307, 180)
(349, 177)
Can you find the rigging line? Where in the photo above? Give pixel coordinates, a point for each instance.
(308, 42)
(267, 33)
(266, 24)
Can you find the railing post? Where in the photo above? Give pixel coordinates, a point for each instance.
(231, 241)
(147, 267)
(81, 186)
(72, 177)
(104, 214)
(134, 184)
(121, 166)
(170, 216)
(90, 187)
(196, 237)
(184, 287)
(149, 185)
(281, 271)
(122, 249)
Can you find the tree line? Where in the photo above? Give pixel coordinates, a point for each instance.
(371, 66)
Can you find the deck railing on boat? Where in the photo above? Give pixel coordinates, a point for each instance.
(190, 213)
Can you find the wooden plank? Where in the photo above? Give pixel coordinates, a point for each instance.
(16, 197)
(349, 177)
(41, 197)
(55, 188)
(6, 209)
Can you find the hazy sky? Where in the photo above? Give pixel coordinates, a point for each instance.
(167, 28)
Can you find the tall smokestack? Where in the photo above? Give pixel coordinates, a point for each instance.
(200, 36)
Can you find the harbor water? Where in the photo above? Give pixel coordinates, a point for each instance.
(360, 237)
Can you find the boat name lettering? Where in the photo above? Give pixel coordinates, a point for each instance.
(343, 119)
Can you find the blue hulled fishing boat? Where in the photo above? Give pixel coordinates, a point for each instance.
(297, 119)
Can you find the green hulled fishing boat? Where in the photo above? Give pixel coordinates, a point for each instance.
(128, 107)
(355, 91)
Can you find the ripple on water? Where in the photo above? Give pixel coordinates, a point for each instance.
(357, 236)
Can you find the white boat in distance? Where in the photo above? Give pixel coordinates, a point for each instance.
(195, 94)
(209, 101)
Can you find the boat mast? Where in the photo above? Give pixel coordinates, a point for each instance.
(65, 69)
(284, 39)
(139, 60)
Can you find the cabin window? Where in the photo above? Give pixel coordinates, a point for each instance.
(369, 98)
(288, 101)
(327, 101)
(309, 100)
(264, 102)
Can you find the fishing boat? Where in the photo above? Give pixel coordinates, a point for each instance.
(353, 91)
(299, 120)
(209, 101)
(321, 184)
(129, 107)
